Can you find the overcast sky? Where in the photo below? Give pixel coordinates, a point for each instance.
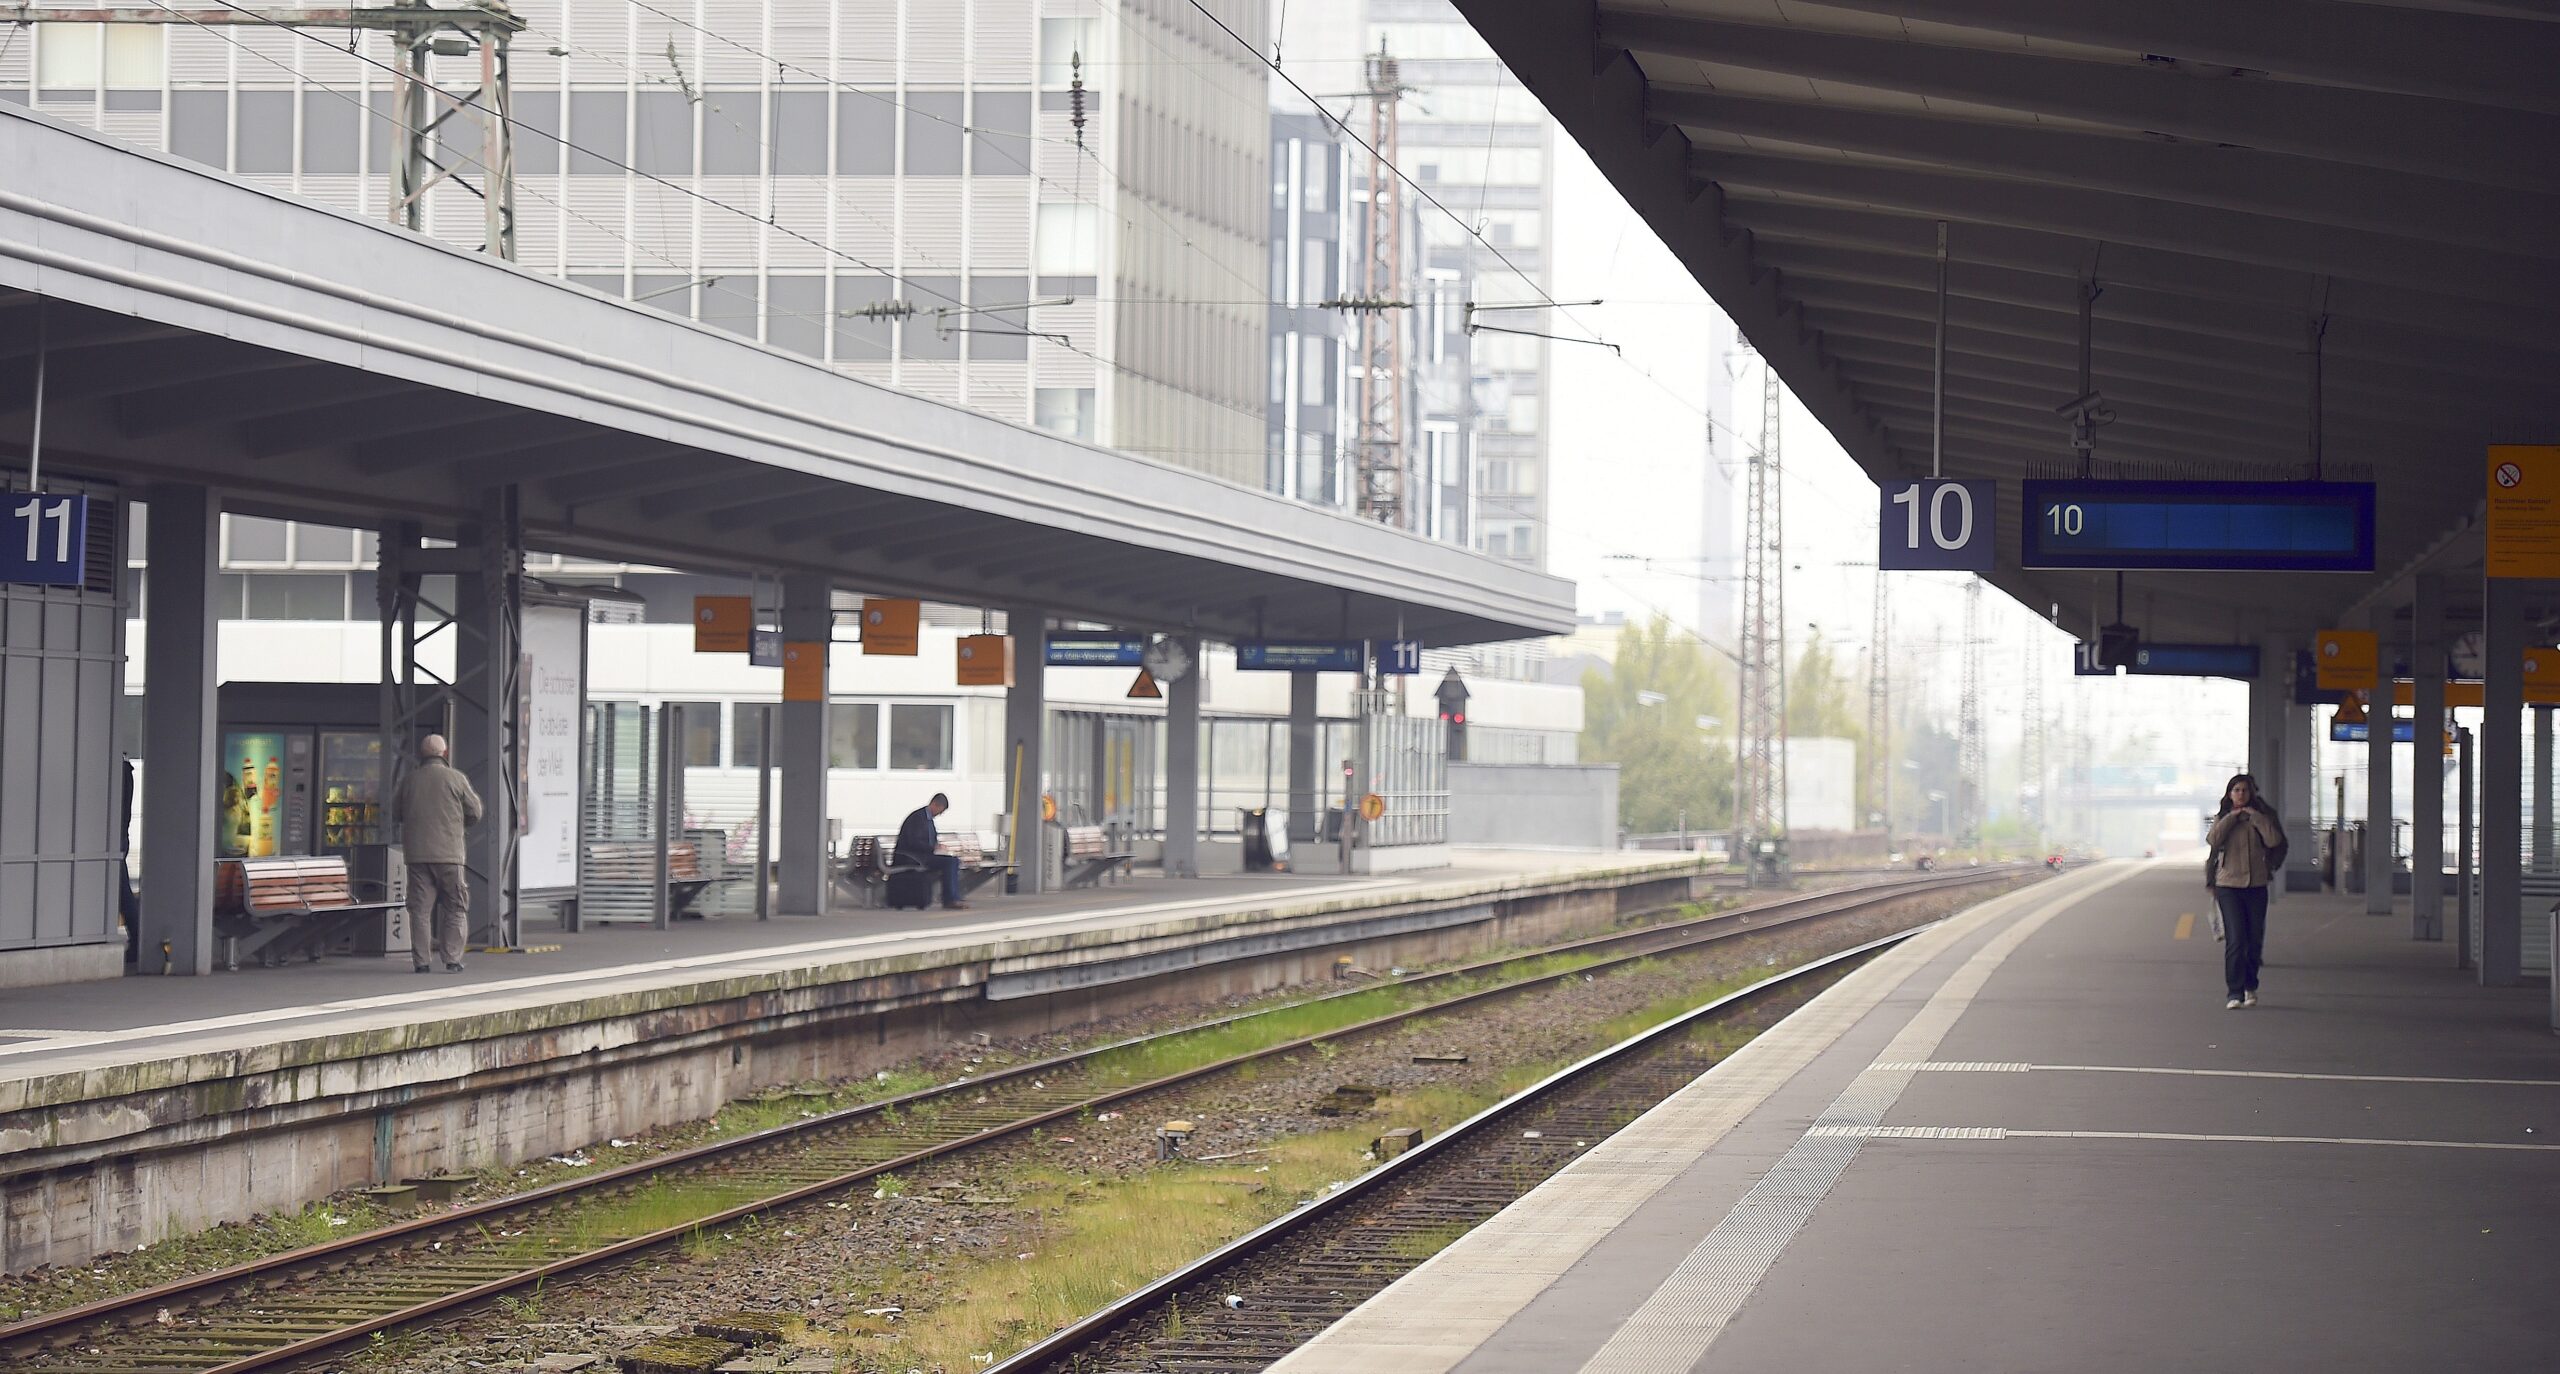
(1629, 443)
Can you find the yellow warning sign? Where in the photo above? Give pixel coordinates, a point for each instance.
(2347, 660)
(1372, 807)
(1145, 687)
(2524, 510)
(2351, 710)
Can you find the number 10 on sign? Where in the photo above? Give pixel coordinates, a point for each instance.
(44, 539)
(1929, 525)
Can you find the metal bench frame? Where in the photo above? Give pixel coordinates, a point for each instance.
(1089, 857)
(274, 931)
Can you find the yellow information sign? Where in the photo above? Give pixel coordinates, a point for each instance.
(1372, 807)
(2524, 510)
(804, 670)
(2347, 660)
(891, 626)
(722, 624)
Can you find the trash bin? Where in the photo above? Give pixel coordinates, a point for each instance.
(1266, 839)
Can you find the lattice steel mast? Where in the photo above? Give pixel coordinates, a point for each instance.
(1880, 719)
(2031, 785)
(1379, 373)
(1972, 761)
(1761, 801)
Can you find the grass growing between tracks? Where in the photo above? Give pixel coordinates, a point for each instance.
(1100, 1238)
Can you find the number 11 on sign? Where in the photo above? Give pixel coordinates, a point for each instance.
(46, 539)
(1929, 525)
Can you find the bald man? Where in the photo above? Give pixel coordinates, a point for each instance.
(435, 805)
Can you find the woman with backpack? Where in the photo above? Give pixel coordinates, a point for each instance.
(2248, 849)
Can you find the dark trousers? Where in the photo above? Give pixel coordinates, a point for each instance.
(2244, 936)
(948, 865)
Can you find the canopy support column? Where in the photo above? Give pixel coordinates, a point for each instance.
(178, 793)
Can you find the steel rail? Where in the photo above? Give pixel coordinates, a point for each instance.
(1079, 1337)
(51, 1331)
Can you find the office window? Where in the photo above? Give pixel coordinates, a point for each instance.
(746, 733)
(323, 544)
(1066, 410)
(918, 337)
(853, 734)
(733, 133)
(537, 116)
(934, 126)
(730, 303)
(699, 722)
(200, 126)
(998, 333)
(861, 338)
(296, 596)
(69, 59)
(135, 55)
(796, 314)
(1061, 40)
(662, 133)
(332, 133)
(866, 133)
(229, 593)
(920, 737)
(1000, 124)
(597, 120)
(254, 539)
(266, 131)
(661, 291)
(1068, 241)
(799, 143)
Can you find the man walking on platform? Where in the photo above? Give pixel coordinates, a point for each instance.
(435, 805)
(920, 842)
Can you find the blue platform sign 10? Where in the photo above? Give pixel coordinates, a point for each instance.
(1935, 525)
(44, 538)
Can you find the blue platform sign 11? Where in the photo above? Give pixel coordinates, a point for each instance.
(1400, 658)
(1935, 525)
(1305, 656)
(44, 538)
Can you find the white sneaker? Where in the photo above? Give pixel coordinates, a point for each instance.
(2248, 999)
(2232, 1005)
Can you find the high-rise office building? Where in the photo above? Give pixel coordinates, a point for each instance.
(895, 187)
(1479, 144)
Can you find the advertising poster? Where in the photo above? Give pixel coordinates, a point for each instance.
(555, 691)
(251, 799)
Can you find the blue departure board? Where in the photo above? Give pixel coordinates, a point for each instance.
(2197, 526)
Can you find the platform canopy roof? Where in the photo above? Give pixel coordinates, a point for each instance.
(2237, 178)
(203, 329)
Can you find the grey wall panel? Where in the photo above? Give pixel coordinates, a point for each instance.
(61, 680)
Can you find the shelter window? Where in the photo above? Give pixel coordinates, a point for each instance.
(746, 733)
(920, 737)
(297, 596)
(853, 735)
(701, 726)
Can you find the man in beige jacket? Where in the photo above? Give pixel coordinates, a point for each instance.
(435, 806)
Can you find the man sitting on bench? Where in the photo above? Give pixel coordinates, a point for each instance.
(919, 843)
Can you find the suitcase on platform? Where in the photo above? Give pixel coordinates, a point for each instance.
(911, 888)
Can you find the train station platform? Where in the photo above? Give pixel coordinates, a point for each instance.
(2033, 1139)
(133, 1107)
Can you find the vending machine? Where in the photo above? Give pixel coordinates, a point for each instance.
(301, 772)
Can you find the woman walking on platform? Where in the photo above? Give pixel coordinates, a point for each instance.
(2248, 847)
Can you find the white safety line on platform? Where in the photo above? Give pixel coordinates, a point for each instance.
(2195, 1137)
(448, 994)
(1963, 1066)
(1672, 1330)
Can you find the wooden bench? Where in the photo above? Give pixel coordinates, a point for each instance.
(1091, 856)
(622, 874)
(276, 908)
(873, 858)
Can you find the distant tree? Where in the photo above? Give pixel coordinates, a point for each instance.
(1643, 715)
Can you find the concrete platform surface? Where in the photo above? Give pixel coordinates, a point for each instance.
(2033, 1139)
(91, 1025)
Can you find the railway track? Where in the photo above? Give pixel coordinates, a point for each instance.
(291, 1308)
(1241, 1309)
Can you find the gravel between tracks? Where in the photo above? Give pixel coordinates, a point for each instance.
(834, 1261)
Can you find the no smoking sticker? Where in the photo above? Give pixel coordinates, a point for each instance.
(2524, 511)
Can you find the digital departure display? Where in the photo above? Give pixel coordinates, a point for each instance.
(2197, 526)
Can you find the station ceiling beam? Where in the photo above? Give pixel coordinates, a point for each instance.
(2365, 127)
